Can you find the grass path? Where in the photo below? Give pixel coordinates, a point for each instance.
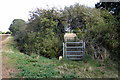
(34, 66)
(0, 66)
(5, 69)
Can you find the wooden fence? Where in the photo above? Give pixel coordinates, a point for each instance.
(73, 50)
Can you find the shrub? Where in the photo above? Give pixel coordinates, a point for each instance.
(46, 43)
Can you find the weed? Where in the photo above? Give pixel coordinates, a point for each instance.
(35, 66)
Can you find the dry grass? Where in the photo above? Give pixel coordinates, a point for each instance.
(7, 64)
(5, 42)
(4, 36)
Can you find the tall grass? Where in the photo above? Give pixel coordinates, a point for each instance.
(35, 66)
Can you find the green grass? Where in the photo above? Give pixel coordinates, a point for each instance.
(35, 66)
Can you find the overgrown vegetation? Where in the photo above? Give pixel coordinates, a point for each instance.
(42, 36)
(114, 9)
(36, 66)
(43, 33)
(97, 28)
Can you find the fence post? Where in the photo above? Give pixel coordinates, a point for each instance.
(63, 50)
(84, 48)
(84, 45)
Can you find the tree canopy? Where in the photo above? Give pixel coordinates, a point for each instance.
(43, 34)
(17, 26)
(112, 7)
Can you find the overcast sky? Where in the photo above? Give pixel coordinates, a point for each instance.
(19, 9)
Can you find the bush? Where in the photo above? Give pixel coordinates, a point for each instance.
(46, 44)
(42, 35)
(8, 32)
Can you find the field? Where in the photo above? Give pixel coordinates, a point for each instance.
(25, 66)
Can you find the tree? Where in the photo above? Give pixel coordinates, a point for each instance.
(42, 35)
(94, 26)
(44, 32)
(82, 17)
(48, 25)
(112, 7)
(8, 32)
(17, 26)
(52, 18)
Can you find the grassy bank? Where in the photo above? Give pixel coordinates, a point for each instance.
(35, 66)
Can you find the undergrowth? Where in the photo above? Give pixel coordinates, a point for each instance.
(35, 66)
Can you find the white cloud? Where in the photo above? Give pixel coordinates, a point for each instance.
(19, 9)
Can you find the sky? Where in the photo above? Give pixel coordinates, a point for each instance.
(19, 9)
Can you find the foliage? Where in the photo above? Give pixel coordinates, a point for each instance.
(94, 26)
(43, 34)
(114, 9)
(36, 66)
(17, 26)
(8, 32)
(42, 18)
(47, 46)
(40, 67)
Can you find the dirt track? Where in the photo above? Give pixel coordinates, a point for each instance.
(5, 70)
(4, 36)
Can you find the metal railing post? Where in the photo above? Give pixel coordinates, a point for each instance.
(84, 46)
(63, 50)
